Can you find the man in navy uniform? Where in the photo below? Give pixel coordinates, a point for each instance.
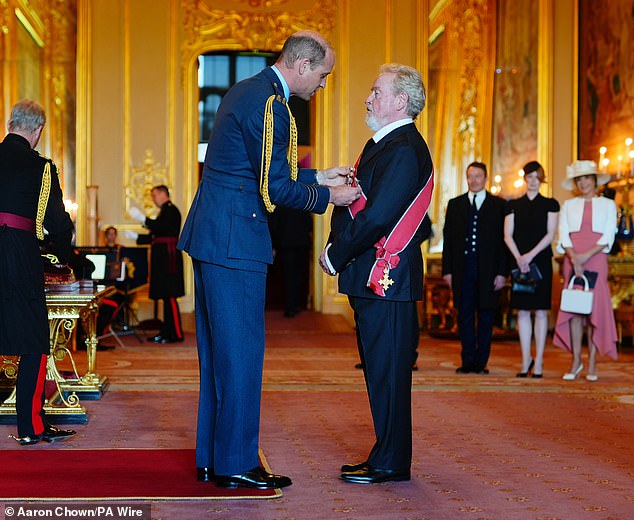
(250, 166)
(30, 200)
(374, 245)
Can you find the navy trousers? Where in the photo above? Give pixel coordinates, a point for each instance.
(387, 337)
(230, 336)
(474, 324)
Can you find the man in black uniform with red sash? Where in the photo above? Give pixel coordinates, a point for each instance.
(30, 200)
(166, 268)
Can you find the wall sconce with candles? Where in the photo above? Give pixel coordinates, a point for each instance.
(622, 180)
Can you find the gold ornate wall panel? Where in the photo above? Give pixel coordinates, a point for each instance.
(462, 46)
(37, 60)
(515, 134)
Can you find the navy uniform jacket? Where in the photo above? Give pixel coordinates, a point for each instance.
(23, 315)
(391, 173)
(227, 224)
(492, 253)
(166, 271)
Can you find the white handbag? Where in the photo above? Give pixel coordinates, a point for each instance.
(575, 300)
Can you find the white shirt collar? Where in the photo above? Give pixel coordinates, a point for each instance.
(479, 197)
(478, 194)
(382, 132)
(287, 90)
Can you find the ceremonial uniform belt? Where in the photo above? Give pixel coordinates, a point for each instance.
(17, 222)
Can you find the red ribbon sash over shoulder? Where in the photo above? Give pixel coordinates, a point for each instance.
(388, 248)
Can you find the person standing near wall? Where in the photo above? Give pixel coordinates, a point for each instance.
(30, 201)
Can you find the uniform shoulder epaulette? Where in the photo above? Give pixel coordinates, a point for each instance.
(47, 159)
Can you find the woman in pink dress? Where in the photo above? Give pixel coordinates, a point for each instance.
(586, 233)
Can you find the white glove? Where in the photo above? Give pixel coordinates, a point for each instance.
(129, 234)
(137, 214)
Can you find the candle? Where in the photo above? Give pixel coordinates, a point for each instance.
(619, 167)
(606, 161)
(602, 151)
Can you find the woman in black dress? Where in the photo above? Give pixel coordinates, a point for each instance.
(529, 230)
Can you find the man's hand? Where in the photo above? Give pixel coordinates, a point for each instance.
(338, 176)
(137, 214)
(499, 282)
(324, 265)
(447, 279)
(344, 195)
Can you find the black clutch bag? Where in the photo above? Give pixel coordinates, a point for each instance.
(526, 282)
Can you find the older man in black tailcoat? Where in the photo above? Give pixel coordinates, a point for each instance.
(30, 200)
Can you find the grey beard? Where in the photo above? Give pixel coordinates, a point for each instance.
(372, 123)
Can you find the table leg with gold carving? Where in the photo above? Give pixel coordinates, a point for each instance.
(90, 385)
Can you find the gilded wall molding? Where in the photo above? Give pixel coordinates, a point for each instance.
(472, 32)
(264, 28)
(138, 189)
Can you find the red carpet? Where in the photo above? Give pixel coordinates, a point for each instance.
(113, 474)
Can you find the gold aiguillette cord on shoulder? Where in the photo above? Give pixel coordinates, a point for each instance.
(42, 202)
(267, 149)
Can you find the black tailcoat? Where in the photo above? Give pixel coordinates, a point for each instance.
(166, 274)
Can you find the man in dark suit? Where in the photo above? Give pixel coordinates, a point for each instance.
(247, 171)
(374, 246)
(474, 265)
(30, 200)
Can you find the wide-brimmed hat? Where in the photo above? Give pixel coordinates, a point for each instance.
(581, 168)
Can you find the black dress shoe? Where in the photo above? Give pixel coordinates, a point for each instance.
(27, 439)
(347, 468)
(159, 339)
(369, 475)
(257, 478)
(463, 370)
(359, 365)
(205, 474)
(414, 367)
(480, 370)
(52, 434)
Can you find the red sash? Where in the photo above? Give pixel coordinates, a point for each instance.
(388, 248)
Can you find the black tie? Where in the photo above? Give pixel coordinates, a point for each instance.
(473, 204)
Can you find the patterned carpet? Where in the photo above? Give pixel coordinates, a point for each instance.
(485, 447)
